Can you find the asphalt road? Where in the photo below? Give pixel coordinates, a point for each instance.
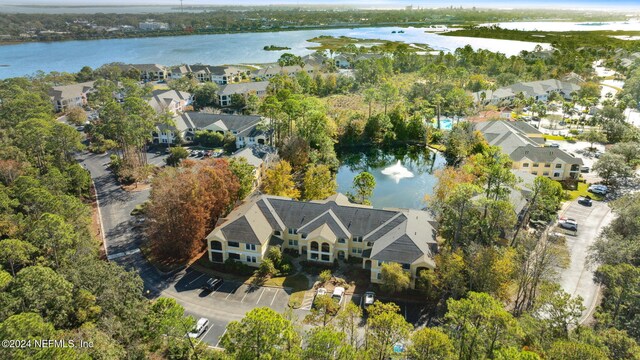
(123, 235)
(577, 278)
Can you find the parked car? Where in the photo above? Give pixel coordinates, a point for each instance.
(586, 201)
(213, 284)
(369, 299)
(201, 326)
(338, 294)
(321, 291)
(598, 189)
(553, 145)
(584, 169)
(568, 223)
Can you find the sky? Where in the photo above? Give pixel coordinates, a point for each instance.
(577, 4)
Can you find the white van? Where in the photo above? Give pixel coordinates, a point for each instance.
(201, 326)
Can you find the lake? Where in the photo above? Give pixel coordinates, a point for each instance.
(403, 176)
(215, 49)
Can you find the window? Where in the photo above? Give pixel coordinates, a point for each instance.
(251, 247)
(547, 165)
(534, 173)
(546, 173)
(233, 244)
(380, 263)
(325, 247)
(379, 276)
(251, 259)
(293, 231)
(357, 239)
(556, 174)
(558, 166)
(536, 164)
(356, 251)
(293, 242)
(314, 246)
(277, 233)
(325, 258)
(406, 266)
(234, 256)
(304, 236)
(525, 165)
(341, 241)
(369, 243)
(314, 256)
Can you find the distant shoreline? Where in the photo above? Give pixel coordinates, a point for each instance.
(169, 33)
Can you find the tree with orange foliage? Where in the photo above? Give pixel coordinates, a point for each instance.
(185, 204)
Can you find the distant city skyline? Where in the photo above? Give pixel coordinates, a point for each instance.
(575, 4)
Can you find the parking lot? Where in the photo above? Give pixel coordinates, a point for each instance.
(577, 278)
(412, 312)
(230, 301)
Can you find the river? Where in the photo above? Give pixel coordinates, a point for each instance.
(216, 49)
(403, 175)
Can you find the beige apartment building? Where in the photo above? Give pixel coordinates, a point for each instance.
(527, 148)
(324, 231)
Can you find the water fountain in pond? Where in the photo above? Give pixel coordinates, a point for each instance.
(397, 172)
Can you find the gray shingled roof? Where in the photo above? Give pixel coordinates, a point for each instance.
(397, 235)
(513, 138)
(243, 125)
(529, 89)
(543, 155)
(243, 88)
(70, 91)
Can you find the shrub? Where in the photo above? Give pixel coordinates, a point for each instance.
(285, 269)
(236, 267)
(325, 275)
(275, 255)
(341, 282)
(266, 269)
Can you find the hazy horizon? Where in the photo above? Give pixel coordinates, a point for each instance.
(571, 4)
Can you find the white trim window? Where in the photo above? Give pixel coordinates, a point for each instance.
(251, 247)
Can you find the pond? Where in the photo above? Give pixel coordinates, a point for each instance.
(403, 176)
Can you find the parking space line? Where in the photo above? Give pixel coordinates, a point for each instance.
(219, 339)
(274, 297)
(232, 292)
(205, 334)
(201, 275)
(245, 295)
(262, 293)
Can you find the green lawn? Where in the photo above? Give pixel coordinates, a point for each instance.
(554, 137)
(582, 191)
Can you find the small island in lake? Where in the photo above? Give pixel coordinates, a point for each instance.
(275, 48)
